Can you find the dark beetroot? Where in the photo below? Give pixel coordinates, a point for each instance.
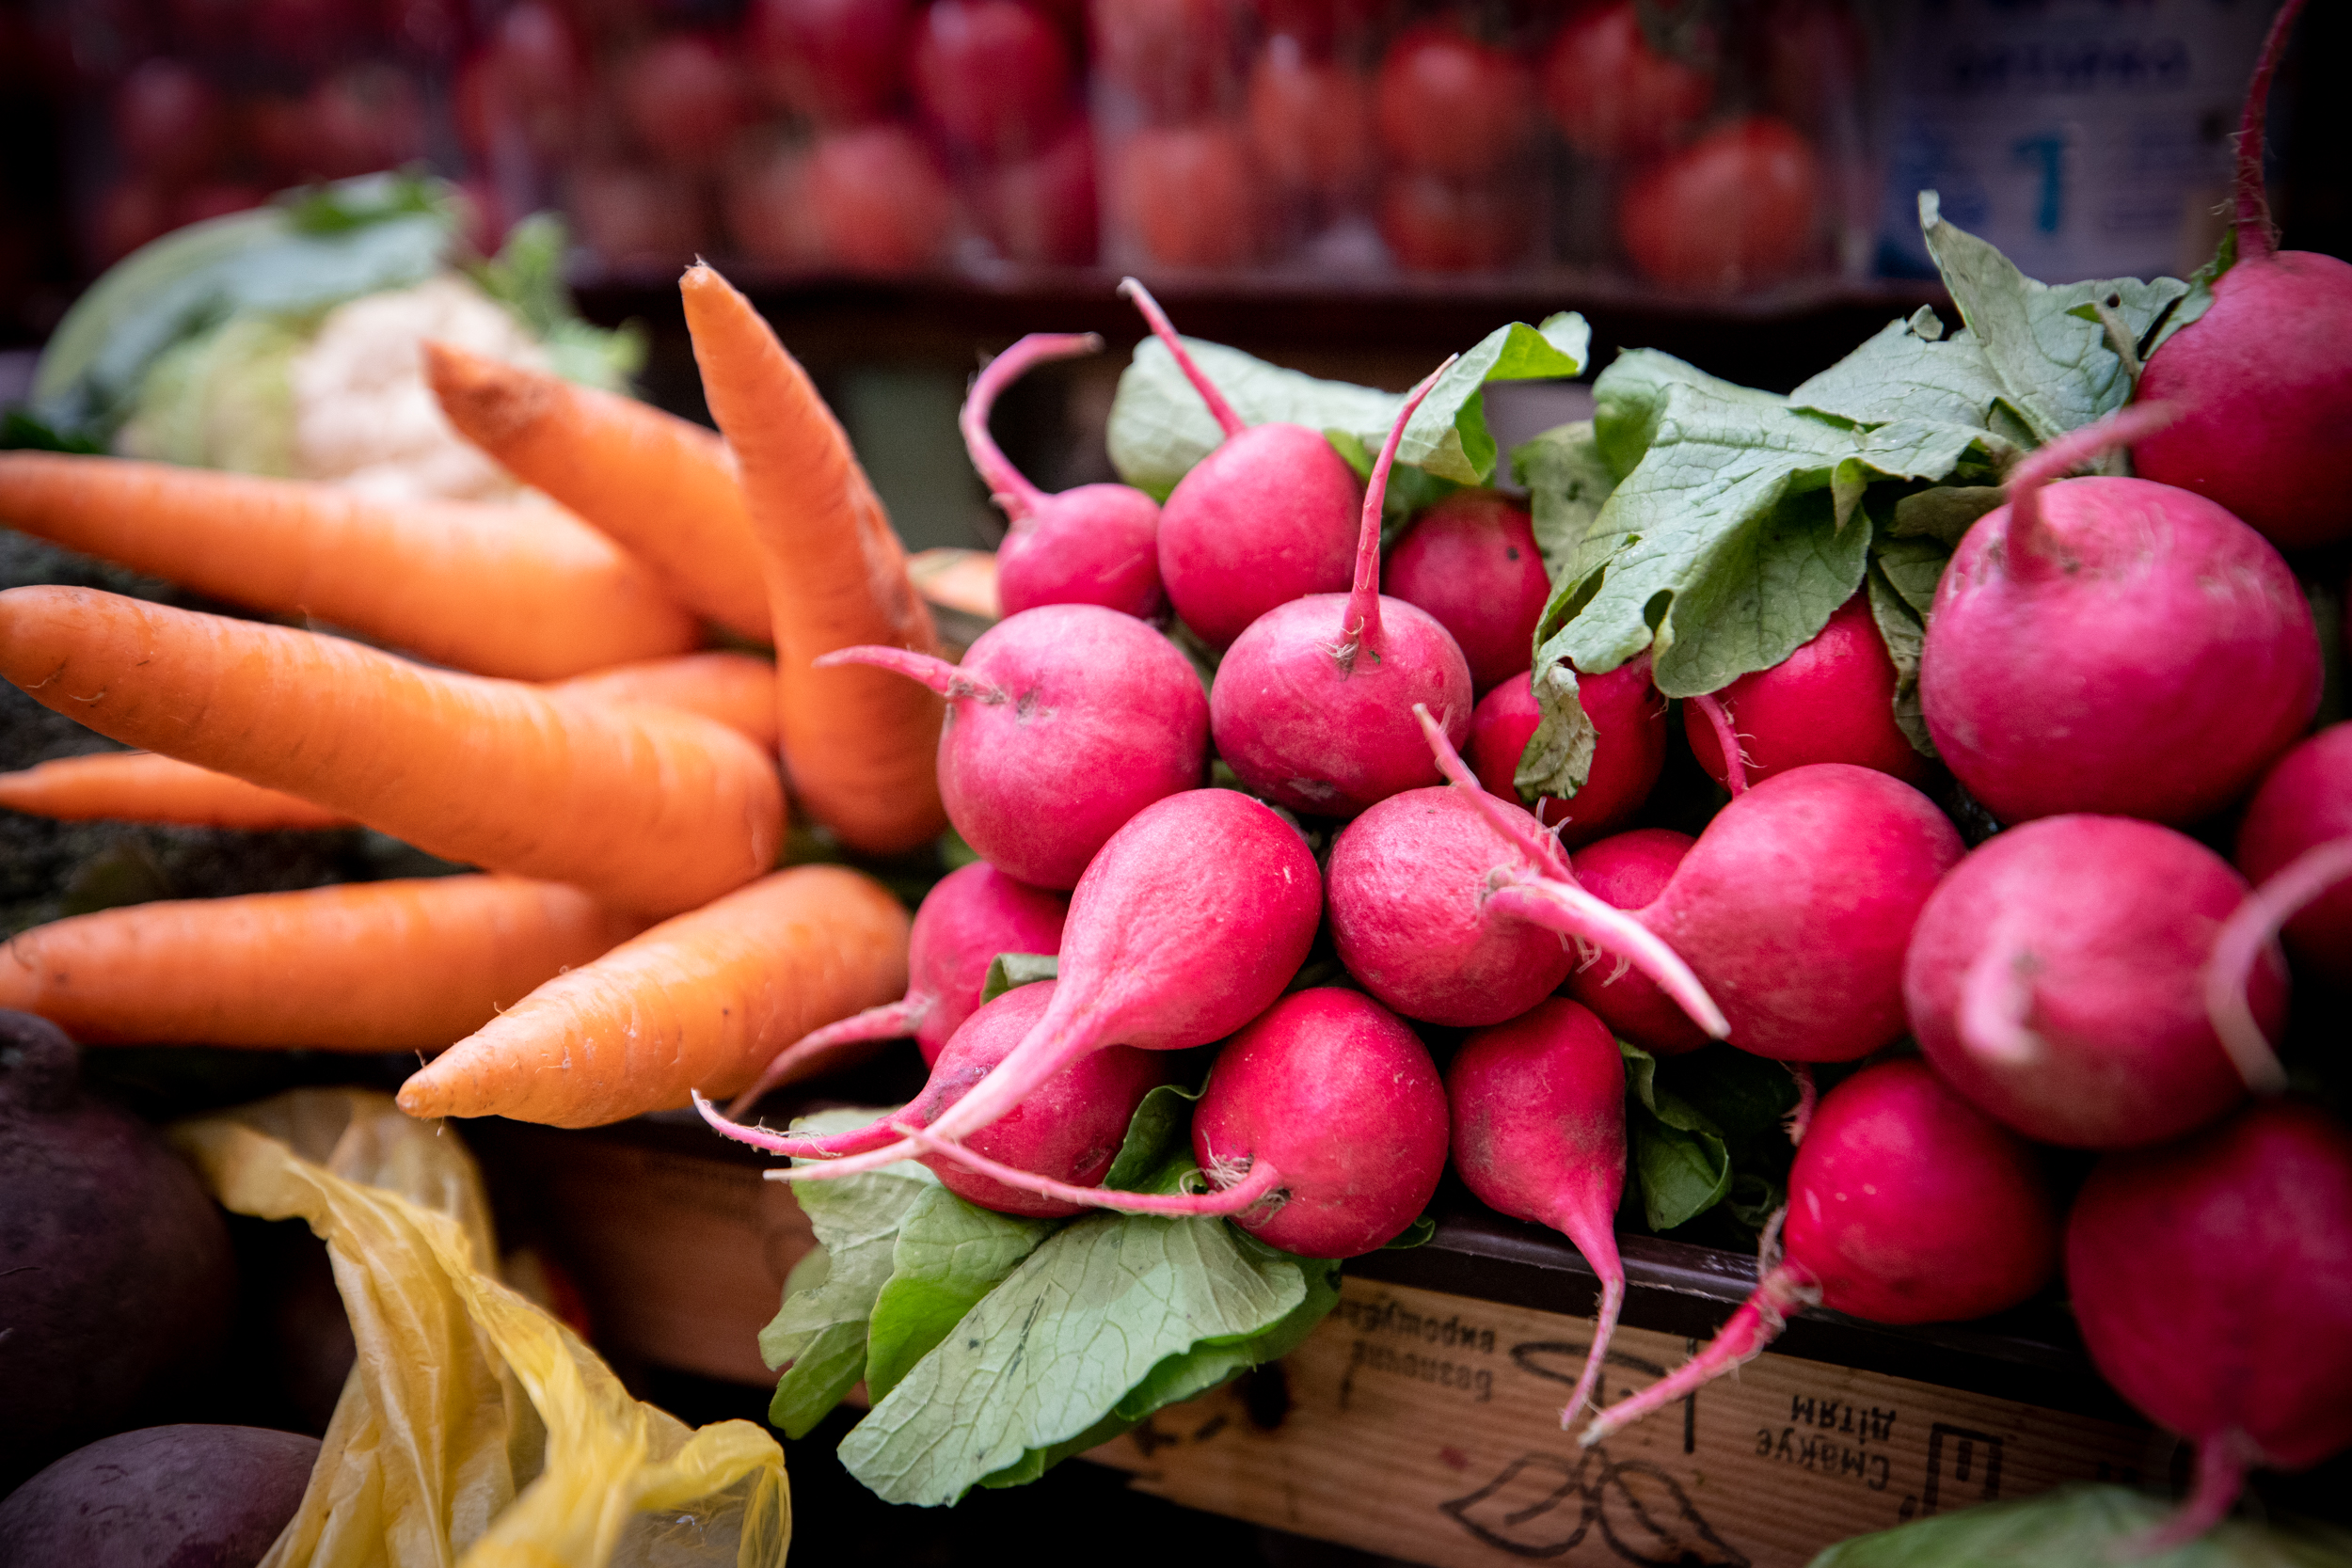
(1628, 719)
(168, 1497)
(1471, 561)
(1098, 544)
(1628, 871)
(1831, 700)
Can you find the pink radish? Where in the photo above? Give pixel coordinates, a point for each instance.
(1538, 1107)
(1314, 704)
(1905, 1206)
(1063, 722)
(1626, 871)
(2263, 379)
(1629, 718)
(1471, 561)
(1831, 700)
(1267, 518)
(1186, 926)
(1069, 1128)
(1452, 906)
(1098, 544)
(972, 914)
(2114, 645)
(2304, 804)
(2213, 1282)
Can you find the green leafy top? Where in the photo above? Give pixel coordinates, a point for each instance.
(2081, 1523)
(1159, 427)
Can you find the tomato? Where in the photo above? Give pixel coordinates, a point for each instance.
(1309, 119)
(1319, 26)
(526, 81)
(1738, 208)
(765, 202)
(130, 213)
(1042, 209)
(636, 219)
(169, 120)
(839, 62)
(684, 97)
(311, 32)
(993, 75)
(1614, 96)
(214, 199)
(431, 28)
(879, 202)
(359, 119)
(1432, 224)
(1179, 58)
(1187, 196)
(1816, 60)
(1447, 104)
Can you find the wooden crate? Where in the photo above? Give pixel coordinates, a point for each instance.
(1421, 1421)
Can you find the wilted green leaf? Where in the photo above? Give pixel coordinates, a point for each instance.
(1011, 971)
(1679, 1160)
(1559, 756)
(1903, 575)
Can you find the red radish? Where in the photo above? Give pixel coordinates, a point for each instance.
(1063, 722)
(1067, 1130)
(1188, 925)
(1175, 58)
(993, 75)
(1450, 906)
(1449, 104)
(169, 120)
(1538, 1107)
(970, 916)
(2263, 379)
(684, 97)
(1309, 119)
(2213, 1282)
(1831, 700)
(840, 62)
(1432, 224)
(1470, 561)
(1629, 718)
(1098, 544)
(1270, 517)
(2304, 804)
(1314, 704)
(2114, 645)
(2055, 979)
(1611, 94)
(1627, 872)
(1736, 208)
(1041, 210)
(1905, 1206)
(1187, 195)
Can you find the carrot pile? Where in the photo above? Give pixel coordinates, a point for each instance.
(577, 749)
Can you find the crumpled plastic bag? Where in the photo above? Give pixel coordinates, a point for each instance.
(476, 1431)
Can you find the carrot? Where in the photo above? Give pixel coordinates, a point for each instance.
(860, 743)
(736, 690)
(700, 1002)
(646, 808)
(662, 486)
(525, 591)
(360, 966)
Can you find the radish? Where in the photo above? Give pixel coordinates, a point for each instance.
(2055, 980)
(2213, 1282)
(972, 914)
(1471, 561)
(2305, 804)
(1186, 926)
(1538, 1107)
(1628, 719)
(1831, 700)
(1098, 544)
(1314, 704)
(1627, 871)
(1267, 518)
(2264, 378)
(1067, 1129)
(1450, 906)
(1063, 722)
(1905, 1206)
(2114, 645)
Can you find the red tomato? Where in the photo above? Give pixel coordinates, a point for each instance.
(1816, 58)
(526, 81)
(636, 219)
(1738, 208)
(993, 75)
(1180, 58)
(361, 119)
(881, 205)
(1614, 96)
(311, 32)
(1434, 225)
(169, 121)
(215, 198)
(1187, 196)
(1042, 209)
(840, 62)
(1309, 119)
(766, 203)
(1320, 26)
(433, 29)
(1449, 104)
(130, 213)
(684, 98)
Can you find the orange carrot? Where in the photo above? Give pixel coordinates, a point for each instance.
(700, 1002)
(362, 966)
(524, 592)
(736, 690)
(860, 744)
(646, 808)
(662, 486)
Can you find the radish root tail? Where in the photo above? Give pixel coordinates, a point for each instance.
(2222, 1461)
(1361, 620)
(937, 673)
(819, 1048)
(1754, 1325)
(1008, 487)
(855, 1141)
(1800, 1116)
(2027, 545)
(1263, 1182)
(1220, 410)
(2240, 943)
(1736, 762)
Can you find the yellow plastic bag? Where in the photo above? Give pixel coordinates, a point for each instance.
(476, 1431)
